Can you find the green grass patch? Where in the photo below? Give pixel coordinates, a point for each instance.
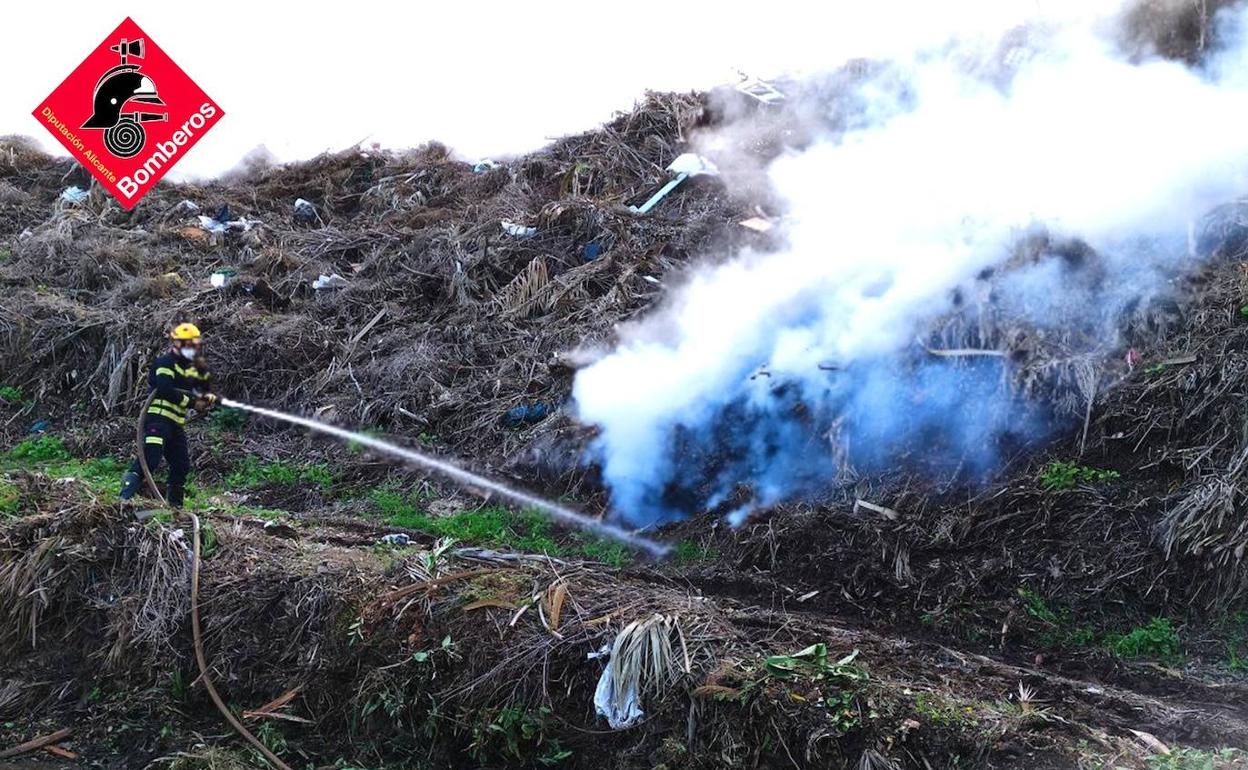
(606, 551)
(39, 449)
(12, 394)
(8, 499)
(690, 551)
(47, 454)
(1059, 475)
(493, 527)
(1157, 640)
(251, 473)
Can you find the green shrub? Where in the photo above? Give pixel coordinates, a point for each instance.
(1059, 475)
(1197, 759)
(12, 394)
(1157, 640)
(227, 418)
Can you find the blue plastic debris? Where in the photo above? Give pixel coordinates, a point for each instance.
(526, 414)
(592, 250)
(484, 166)
(39, 426)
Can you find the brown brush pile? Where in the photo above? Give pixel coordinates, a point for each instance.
(330, 649)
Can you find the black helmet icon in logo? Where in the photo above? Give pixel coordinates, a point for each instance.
(117, 95)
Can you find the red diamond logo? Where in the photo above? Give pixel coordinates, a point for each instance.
(128, 113)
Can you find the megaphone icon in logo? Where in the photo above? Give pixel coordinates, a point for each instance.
(117, 95)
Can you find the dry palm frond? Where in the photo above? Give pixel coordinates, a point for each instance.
(642, 659)
(520, 296)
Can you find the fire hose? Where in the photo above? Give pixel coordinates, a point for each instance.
(197, 636)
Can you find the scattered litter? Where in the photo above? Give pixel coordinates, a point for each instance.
(592, 251)
(74, 194)
(332, 281)
(189, 206)
(760, 89)
(686, 165)
(620, 706)
(757, 224)
(397, 538)
(526, 414)
(39, 426)
(520, 231)
(278, 529)
(601, 652)
(305, 212)
(484, 165)
(221, 222)
(887, 513)
(221, 277)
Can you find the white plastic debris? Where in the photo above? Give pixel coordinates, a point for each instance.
(692, 164)
(520, 231)
(211, 225)
(397, 538)
(686, 165)
(218, 280)
(219, 228)
(74, 194)
(484, 165)
(622, 709)
(761, 90)
(332, 281)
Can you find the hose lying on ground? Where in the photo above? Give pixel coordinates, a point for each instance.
(196, 632)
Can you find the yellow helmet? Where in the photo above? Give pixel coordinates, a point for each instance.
(183, 332)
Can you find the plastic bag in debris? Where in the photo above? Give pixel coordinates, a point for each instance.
(484, 166)
(525, 414)
(333, 281)
(622, 709)
(398, 538)
(520, 231)
(74, 194)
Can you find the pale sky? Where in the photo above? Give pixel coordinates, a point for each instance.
(486, 78)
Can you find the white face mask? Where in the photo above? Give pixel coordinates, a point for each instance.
(187, 353)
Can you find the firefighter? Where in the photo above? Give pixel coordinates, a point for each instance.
(180, 379)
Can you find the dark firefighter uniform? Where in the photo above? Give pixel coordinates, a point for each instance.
(177, 385)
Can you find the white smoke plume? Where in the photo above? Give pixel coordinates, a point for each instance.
(765, 370)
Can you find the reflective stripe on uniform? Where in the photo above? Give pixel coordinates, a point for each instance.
(177, 418)
(191, 372)
(153, 440)
(160, 402)
(164, 370)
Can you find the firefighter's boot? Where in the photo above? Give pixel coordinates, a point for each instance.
(130, 485)
(175, 495)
